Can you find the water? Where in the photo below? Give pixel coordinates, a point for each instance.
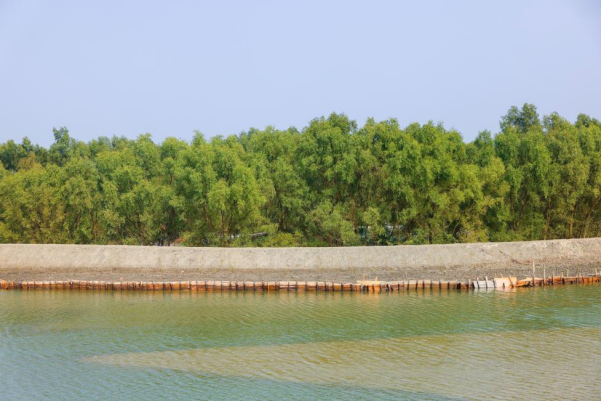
(530, 344)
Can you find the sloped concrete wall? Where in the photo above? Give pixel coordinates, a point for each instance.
(115, 257)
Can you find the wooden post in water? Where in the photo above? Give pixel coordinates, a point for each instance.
(544, 275)
(533, 276)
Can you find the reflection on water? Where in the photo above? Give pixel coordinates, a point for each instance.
(531, 344)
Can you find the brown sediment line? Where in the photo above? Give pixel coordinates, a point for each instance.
(433, 364)
(267, 286)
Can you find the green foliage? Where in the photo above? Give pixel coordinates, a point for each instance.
(331, 184)
(328, 227)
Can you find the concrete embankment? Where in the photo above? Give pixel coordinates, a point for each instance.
(346, 264)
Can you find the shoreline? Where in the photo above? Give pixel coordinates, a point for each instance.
(505, 283)
(566, 268)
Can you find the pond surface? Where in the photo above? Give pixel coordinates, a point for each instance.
(539, 343)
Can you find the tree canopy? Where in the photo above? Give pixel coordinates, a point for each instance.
(331, 184)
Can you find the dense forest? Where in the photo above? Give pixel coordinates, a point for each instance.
(331, 184)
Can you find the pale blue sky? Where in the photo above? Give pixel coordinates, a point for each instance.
(168, 68)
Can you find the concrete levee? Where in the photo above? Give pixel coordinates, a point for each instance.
(79, 258)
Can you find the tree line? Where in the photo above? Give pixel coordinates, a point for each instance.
(331, 184)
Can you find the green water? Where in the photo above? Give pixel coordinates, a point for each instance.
(530, 344)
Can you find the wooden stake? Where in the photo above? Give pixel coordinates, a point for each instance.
(533, 283)
(544, 274)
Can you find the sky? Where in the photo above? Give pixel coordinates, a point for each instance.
(168, 68)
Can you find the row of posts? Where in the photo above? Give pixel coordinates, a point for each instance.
(380, 286)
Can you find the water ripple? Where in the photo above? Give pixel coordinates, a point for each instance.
(542, 344)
